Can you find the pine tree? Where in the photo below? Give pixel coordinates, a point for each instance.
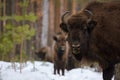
(15, 29)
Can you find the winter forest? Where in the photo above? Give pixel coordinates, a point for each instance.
(27, 27)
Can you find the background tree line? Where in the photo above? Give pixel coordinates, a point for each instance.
(27, 25)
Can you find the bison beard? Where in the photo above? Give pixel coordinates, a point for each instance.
(102, 41)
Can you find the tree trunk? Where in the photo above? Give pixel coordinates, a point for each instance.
(63, 7)
(117, 71)
(12, 57)
(4, 12)
(12, 54)
(57, 16)
(44, 34)
(51, 22)
(17, 8)
(69, 5)
(4, 21)
(38, 23)
(29, 43)
(21, 49)
(73, 6)
(1, 27)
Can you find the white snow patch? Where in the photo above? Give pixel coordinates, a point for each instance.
(44, 71)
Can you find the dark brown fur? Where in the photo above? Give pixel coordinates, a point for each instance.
(71, 61)
(60, 53)
(99, 39)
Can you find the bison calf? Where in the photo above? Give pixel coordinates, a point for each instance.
(60, 52)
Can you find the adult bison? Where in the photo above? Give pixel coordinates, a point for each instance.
(44, 54)
(94, 34)
(60, 53)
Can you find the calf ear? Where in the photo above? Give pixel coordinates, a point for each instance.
(91, 25)
(55, 38)
(63, 26)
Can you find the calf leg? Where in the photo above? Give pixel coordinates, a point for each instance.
(58, 71)
(108, 73)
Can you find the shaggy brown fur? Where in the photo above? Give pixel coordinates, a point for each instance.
(96, 32)
(60, 53)
(71, 61)
(44, 54)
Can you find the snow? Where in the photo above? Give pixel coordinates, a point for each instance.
(44, 71)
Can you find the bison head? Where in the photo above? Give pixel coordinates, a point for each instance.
(78, 27)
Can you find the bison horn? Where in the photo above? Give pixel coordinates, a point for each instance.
(89, 14)
(64, 17)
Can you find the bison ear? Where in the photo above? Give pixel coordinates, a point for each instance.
(63, 26)
(55, 38)
(91, 25)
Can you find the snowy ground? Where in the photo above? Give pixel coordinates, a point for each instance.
(44, 71)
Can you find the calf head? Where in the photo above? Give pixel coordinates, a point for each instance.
(60, 43)
(78, 27)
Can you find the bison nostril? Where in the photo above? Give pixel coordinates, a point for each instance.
(62, 47)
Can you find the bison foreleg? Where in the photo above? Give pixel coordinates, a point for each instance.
(63, 71)
(108, 73)
(54, 69)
